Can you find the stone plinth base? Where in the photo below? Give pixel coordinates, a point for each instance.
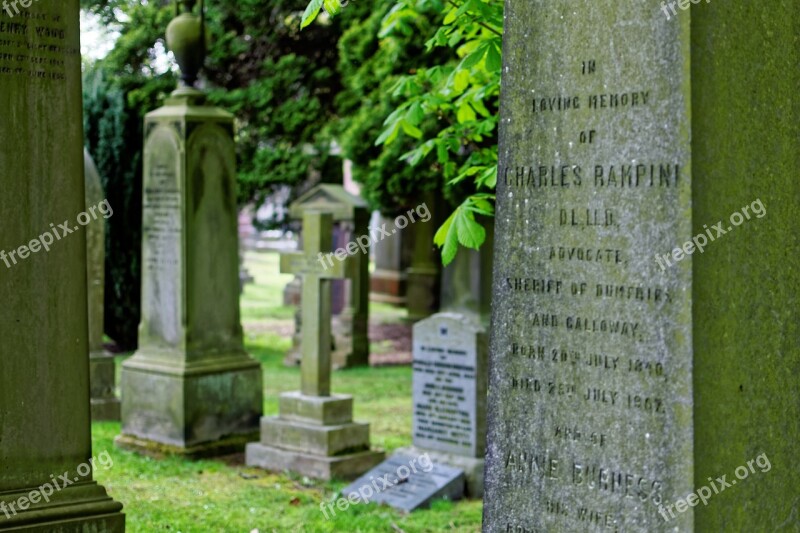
(159, 450)
(82, 507)
(316, 437)
(314, 466)
(472, 467)
(202, 408)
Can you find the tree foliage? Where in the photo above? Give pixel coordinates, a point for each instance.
(447, 107)
(280, 85)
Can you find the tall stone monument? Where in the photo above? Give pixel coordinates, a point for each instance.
(190, 388)
(102, 371)
(644, 337)
(44, 371)
(314, 434)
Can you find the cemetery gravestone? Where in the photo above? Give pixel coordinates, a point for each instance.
(449, 394)
(190, 388)
(351, 218)
(44, 375)
(619, 385)
(314, 434)
(591, 383)
(102, 371)
(409, 484)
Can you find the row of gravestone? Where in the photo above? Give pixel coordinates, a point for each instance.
(618, 384)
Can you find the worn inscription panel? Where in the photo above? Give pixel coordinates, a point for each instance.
(162, 229)
(590, 388)
(34, 42)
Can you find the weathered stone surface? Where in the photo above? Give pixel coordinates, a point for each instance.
(190, 387)
(44, 375)
(590, 418)
(323, 410)
(449, 384)
(411, 486)
(745, 131)
(314, 466)
(350, 305)
(102, 371)
(314, 439)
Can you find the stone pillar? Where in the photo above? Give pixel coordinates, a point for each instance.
(746, 285)
(424, 274)
(590, 385)
(44, 367)
(102, 371)
(190, 388)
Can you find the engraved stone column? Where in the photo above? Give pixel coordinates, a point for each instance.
(190, 388)
(45, 425)
(590, 411)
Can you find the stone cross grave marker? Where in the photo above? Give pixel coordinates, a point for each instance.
(316, 301)
(314, 433)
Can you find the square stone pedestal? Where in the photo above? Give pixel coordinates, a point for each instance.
(200, 410)
(314, 436)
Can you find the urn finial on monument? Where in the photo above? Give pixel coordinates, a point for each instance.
(186, 37)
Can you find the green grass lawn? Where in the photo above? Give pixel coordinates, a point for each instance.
(223, 495)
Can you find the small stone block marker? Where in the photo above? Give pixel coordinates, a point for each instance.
(314, 434)
(406, 483)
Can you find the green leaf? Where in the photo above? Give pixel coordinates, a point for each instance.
(475, 57)
(411, 130)
(450, 17)
(415, 113)
(493, 60)
(447, 239)
(461, 81)
(465, 113)
(311, 12)
(389, 134)
(470, 233)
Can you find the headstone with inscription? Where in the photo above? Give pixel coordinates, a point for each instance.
(449, 394)
(190, 388)
(618, 381)
(44, 372)
(102, 370)
(315, 434)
